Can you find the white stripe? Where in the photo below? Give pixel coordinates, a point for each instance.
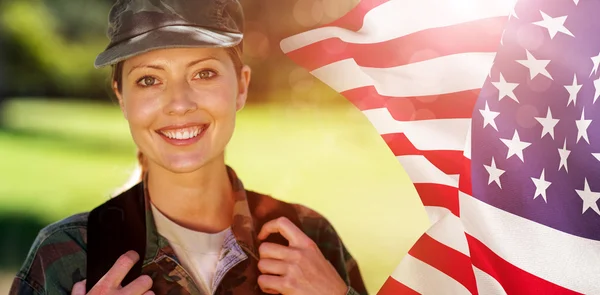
(558, 257)
(426, 279)
(399, 18)
(425, 135)
(445, 74)
(467, 152)
(420, 170)
(447, 229)
(486, 284)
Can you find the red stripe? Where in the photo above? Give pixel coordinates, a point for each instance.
(476, 36)
(439, 195)
(393, 287)
(353, 20)
(449, 162)
(464, 181)
(443, 106)
(513, 279)
(447, 260)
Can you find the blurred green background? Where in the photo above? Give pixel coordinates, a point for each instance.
(64, 146)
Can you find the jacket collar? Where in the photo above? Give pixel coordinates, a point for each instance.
(242, 225)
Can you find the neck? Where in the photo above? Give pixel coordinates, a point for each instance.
(201, 200)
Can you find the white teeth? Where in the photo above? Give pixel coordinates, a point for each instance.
(183, 133)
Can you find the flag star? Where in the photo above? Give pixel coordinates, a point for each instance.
(573, 91)
(596, 155)
(596, 62)
(505, 89)
(494, 173)
(576, 2)
(597, 88)
(541, 185)
(535, 66)
(564, 154)
(489, 116)
(589, 198)
(554, 25)
(515, 146)
(548, 124)
(582, 126)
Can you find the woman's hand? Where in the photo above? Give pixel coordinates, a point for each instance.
(297, 269)
(110, 283)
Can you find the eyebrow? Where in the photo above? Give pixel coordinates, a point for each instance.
(157, 67)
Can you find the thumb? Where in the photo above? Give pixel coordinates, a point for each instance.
(79, 288)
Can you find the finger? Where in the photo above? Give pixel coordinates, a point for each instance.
(119, 270)
(79, 288)
(287, 229)
(271, 284)
(139, 286)
(273, 266)
(275, 251)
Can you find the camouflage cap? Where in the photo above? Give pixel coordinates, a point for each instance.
(138, 26)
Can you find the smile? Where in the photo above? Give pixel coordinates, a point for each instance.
(184, 135)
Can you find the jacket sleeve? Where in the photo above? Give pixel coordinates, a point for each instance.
(55, 262)
(320, 230)
(22, 287)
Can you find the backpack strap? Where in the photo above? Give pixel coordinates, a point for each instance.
(265, 208)
(114, 228)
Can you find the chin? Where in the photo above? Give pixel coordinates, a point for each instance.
(184, 166)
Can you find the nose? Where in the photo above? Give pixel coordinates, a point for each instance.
(180, 99)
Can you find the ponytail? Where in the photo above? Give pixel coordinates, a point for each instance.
(137, 175)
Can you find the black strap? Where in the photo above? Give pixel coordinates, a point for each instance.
(114, 228)
(265, 209)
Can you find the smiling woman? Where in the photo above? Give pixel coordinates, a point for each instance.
(187, 226)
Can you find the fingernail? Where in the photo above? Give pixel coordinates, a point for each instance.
(133, 255)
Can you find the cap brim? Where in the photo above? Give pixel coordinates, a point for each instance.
(167, 37)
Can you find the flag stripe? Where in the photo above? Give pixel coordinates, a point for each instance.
(487, 282)
(353, 20)
(512, 279)
(447, 260)
(440, 134)
(439, 196)
(474, 36)
(440, 106)
(402, 18)
(450, 162)
(391, 286)
(425, 279)
(420, 170)
(446, 74)
(447, 229)
(515, 238)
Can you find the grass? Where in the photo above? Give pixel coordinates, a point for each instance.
(62, 158)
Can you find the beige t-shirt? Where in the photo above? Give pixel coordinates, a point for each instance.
(198, 252)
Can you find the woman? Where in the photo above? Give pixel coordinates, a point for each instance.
(189, 226)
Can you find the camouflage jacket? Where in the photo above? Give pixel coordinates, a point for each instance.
(58, 256)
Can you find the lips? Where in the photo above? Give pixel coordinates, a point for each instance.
(183, 134)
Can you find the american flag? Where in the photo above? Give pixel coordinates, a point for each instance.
(490, 108)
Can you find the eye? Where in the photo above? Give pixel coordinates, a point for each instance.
(147, 81)
(206, 74)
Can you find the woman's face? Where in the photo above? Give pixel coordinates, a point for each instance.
(181, 104)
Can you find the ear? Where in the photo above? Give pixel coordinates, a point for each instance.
(119, 96)
(243, 84)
